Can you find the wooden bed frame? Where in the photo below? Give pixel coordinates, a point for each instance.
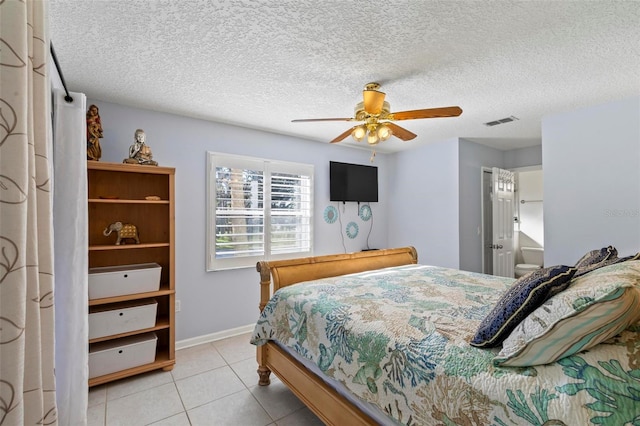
(331, 407)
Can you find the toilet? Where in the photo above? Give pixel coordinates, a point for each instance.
(533, 259)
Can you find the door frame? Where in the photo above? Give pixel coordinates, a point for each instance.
(483, 231)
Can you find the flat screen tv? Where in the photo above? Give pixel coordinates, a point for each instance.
(353, 182)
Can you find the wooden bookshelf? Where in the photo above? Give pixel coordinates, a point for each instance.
(117, 192)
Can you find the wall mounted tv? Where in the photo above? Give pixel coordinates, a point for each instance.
(353, 182)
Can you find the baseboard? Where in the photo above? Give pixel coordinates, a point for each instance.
(207, 338)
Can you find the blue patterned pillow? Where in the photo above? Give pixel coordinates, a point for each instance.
(625, 259)
(594, 259)
(610, 260)
(526, 294)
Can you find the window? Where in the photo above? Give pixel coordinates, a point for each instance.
(257, 210)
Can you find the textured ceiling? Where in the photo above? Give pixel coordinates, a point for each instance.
(260, 64)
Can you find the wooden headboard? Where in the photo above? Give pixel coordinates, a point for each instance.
(292, 271)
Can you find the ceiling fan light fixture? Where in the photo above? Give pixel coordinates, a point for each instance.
(375, 114)
(384, 132)
(372, 138)
(359, 133)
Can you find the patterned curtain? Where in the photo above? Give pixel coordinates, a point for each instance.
(27, 386)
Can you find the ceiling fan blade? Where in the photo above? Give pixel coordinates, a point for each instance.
(301, 120)
(343, 135)
(452, 111)
(373, 101)
(400, 132)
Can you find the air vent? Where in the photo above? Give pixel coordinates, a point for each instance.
(501, 121)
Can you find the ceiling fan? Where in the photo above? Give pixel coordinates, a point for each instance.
(377, 119)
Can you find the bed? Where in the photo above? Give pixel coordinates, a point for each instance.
(376, 338)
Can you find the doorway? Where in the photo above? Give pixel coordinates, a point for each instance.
(529, 229)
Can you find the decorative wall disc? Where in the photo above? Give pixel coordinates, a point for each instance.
(352, 230)
(365, 212)
(330, 214)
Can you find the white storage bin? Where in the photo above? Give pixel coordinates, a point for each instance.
(122, 317)
(110, 281)
(120, 354)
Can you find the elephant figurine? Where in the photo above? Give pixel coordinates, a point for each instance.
(124, 231)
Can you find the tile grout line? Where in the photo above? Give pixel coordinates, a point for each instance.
(186, 413)
(251, 393)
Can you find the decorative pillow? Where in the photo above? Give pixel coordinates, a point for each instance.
(609, 261)
(595, 259)
(632, 257)
(526, 294)
(596, 307)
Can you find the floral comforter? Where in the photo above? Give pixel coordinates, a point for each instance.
(398, 338)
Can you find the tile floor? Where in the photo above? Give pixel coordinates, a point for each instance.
(211, 384)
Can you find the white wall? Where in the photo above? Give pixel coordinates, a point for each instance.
(423, 202)
(216, 301)
(591, 163)
(523, 157)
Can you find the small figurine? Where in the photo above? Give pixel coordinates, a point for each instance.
(139, 152)
(94, 133)
(124, 231)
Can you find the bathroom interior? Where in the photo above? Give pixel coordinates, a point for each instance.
(528, 221)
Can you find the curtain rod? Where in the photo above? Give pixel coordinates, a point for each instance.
(55, 61)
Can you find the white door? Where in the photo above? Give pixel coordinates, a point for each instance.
(503, 206)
